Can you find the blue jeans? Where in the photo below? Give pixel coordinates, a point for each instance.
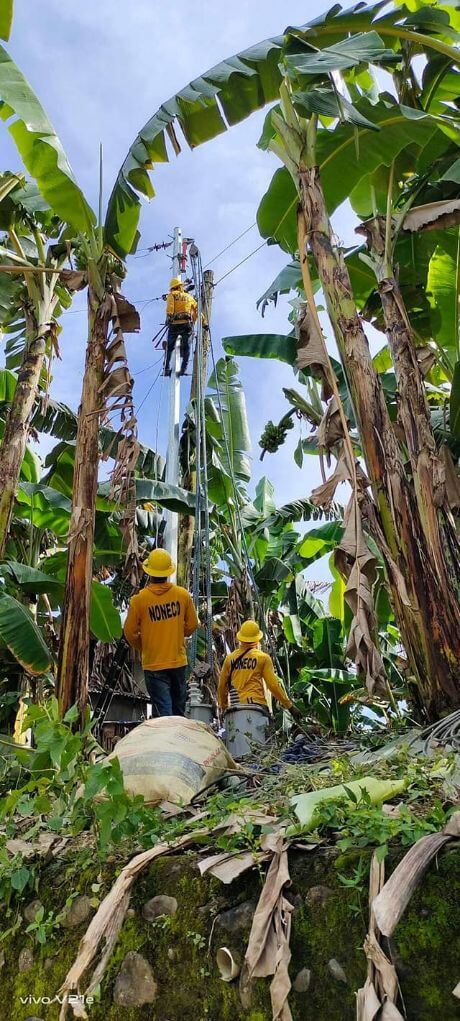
(167, 690)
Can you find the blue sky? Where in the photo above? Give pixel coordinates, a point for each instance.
(101, 70)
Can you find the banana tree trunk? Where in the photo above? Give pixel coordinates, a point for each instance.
(73, 664)
(423, 610)
(17, 424)
(428, 472)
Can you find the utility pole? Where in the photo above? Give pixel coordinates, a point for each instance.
(206, 301)
(172, 457)
(186, 523)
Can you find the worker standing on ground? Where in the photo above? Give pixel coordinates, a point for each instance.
(181, 314)
(245, 670)
(159, 619)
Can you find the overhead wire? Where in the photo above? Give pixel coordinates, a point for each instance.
(230, 245)
(242, 261)
(149, 391)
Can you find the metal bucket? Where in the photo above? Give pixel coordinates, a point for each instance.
(204, 713)
(246, 727)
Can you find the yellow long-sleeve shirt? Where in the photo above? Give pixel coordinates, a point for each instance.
(245, 671)
(181, 306)
(159, 619)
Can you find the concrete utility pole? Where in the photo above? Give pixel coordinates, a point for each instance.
(172, 457)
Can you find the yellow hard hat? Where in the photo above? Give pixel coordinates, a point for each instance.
(175, 282)
(249, 632)
(159, 564)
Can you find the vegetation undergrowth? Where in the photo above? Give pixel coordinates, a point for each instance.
(60, 795)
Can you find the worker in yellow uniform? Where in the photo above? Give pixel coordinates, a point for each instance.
(160, 617)
(245, 670)
(181, 314)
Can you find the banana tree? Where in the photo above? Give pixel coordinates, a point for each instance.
(329, 139)
(29, 312)
(106, 382)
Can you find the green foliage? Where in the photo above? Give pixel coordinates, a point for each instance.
(170, 497)
(262, 345)
(345, 156)
(455, 403)
(372, 826)
(21, 635)
(40, 148)
(247, 81)
(58, 789)
(6, 18)
(105, 622)
(232, 408)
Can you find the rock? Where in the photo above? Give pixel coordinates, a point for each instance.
(318, 896)
(337, 971)
(25, 959)
(237, 919)
(130, 913)
(77, 912)
(301, 983)
(32, 1017)
(158, 906)
(295, 899)
(170, 954)
(134, 984)
(48, 963)
(31, 909)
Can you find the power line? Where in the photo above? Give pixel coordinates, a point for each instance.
(146, 369)
(159, 246)
(231, 243)
(149, 391)
(241, 262)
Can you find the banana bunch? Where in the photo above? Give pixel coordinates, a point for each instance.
(274, 436)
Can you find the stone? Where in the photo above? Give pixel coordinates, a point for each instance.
(337, 971)
(48, 963)
(134, 984)
(295, 899)
(301, 983)
(130, 913)
(31, 909)
(77, 912)
(25, 959)
(32, 1017)
(170, 954)
(237, 919)
(158, 906)
(318, 896)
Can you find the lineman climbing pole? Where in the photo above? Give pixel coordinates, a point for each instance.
(172, 457)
